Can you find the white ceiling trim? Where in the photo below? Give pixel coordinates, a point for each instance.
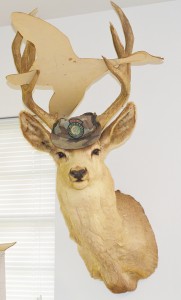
(62, 8)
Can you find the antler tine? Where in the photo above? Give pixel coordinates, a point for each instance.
(16, 51)
(28, 57)
(119, 48)
(23, 63)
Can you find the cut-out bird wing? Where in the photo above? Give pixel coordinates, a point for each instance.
(59, 66)
(46, 38)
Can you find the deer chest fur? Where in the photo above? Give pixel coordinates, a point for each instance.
(91, 216)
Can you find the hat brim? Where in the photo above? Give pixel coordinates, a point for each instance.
(71, 144)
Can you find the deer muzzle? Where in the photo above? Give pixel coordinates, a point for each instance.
(78, 174)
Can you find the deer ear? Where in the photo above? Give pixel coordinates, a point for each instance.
(35, 133)
(120, 129)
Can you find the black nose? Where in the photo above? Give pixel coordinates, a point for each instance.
(78, 174)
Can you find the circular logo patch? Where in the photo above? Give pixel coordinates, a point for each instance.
(75, 128)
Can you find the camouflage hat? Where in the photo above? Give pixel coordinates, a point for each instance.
(75, 133)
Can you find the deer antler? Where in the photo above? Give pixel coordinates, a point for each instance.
(122, 71)
(23, 64)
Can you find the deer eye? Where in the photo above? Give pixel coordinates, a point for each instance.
(61, 154)
(95, 152)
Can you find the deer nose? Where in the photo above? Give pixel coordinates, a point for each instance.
(78, 174)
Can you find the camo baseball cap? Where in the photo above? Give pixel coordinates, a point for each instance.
(76, 132)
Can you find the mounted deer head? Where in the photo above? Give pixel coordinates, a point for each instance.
(112, 232)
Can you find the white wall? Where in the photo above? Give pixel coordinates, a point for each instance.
(149, 163)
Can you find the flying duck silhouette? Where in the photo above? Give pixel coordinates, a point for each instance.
(59, 66)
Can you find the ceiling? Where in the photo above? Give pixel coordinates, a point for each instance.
(61, 8)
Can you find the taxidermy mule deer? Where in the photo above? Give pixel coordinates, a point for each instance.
(112, 232)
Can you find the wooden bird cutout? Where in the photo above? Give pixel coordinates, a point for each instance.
(59, 66)
(4, 247)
